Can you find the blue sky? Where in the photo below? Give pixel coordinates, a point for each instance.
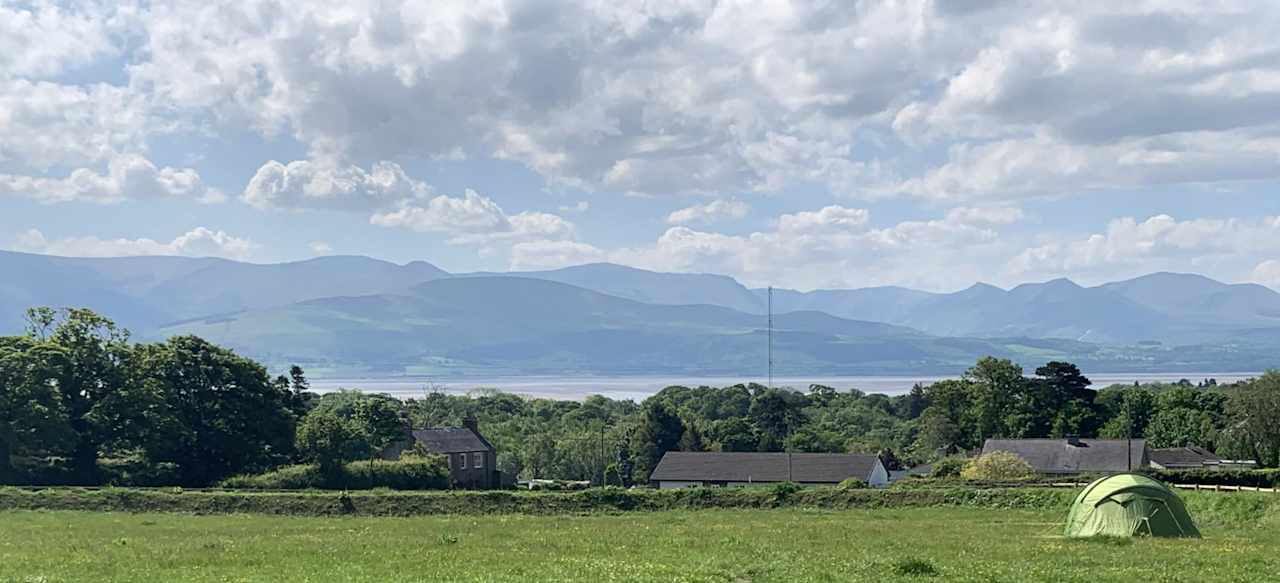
(804, 145)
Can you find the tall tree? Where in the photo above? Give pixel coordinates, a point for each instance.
(776, 413)
(31, 412)
(998, 398)
(659, 432)
(328, 440)
(94, 369)
(219, 413)
(1255, 420)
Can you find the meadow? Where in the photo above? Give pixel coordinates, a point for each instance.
(729, 545)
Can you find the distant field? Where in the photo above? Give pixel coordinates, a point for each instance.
(954, 544)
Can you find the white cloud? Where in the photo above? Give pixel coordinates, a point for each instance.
(307, 184)
(198, 242)
(475, 219)
(711, 212)
(320, 248)
(42, 39)
(832, 247)
(44, 124)
(1267, 273)
(1131, 247)
(581, 206)
(531, 255)
(127, 177)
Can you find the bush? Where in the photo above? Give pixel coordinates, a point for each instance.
(948, 467)
(1250, 478)
(998, 466)
(915, 567)
(408, 474)
(852, 484)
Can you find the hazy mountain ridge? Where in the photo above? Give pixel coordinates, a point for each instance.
(357, 311)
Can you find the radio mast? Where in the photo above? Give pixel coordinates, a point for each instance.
(771, 337)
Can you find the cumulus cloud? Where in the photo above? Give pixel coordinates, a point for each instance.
(129, 176)
(44, 124)
(307, 184)
(42, 38)
(711, 212)
(1267, 273)
(1132, 247)
(198, 242)
(476, 219)
(320, 248)
(834, 246)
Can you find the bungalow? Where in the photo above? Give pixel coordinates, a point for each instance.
(1073, 455)
(679, 469)
(472, 459)
(1194, 458)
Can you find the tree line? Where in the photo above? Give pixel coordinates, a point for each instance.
(81, 403)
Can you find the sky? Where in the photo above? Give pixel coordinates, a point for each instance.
(924, 143)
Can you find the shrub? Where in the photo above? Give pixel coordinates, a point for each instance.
(915, 567)
(852, 484)
(1251, 478)
(783, 490)
(998, 466)
(948, 467)
(408, 474)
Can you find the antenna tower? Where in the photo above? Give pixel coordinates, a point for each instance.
(771, 337)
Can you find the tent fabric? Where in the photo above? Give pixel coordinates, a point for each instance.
(1129, 505)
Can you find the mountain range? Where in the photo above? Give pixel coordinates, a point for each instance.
(348, 314)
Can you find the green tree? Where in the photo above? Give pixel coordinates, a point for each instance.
(31, 412)
(92, 372)
(659, 432)
(691, 439)
(998, 405)
(1130, 410)
(1254, 429)
(776, 413)
(215, 413)
(329, 441)
(735, 434)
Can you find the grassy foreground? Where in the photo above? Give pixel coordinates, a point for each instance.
(908, 544)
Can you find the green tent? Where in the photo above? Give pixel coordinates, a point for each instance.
(1129, 505)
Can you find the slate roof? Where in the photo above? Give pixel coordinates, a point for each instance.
(812, 468)
(1185, 457)
(451, 440)
(1060, 456)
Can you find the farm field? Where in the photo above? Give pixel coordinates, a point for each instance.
(909, 544)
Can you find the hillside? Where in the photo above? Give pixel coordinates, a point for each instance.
(528, 325)
(144, 292)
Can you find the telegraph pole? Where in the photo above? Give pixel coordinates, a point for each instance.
(771, 337)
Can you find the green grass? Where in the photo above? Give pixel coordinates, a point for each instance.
(908, 544)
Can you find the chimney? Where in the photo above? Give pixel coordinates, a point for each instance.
(470, 422)
(1073, 440)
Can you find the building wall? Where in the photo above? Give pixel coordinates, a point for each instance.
(467, 475)
(672, 484)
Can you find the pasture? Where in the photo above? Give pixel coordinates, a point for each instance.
(1242, 543)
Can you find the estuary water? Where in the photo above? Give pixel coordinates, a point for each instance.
(640, 387)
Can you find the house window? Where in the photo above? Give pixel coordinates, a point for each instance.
(478, 460)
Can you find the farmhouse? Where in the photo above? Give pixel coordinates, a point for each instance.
(1073, 455)
(1194, 458)
(680, 469)
(472, 459)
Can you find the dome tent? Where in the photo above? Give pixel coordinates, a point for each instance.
(1129, 505)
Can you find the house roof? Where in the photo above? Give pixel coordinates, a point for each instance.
(1190, 456)
(1063, 456)
(820, 468)
(451, 440)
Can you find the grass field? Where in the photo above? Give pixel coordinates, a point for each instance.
(912, 544)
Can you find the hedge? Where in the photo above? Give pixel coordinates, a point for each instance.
(407, 474)
(1251, 478)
